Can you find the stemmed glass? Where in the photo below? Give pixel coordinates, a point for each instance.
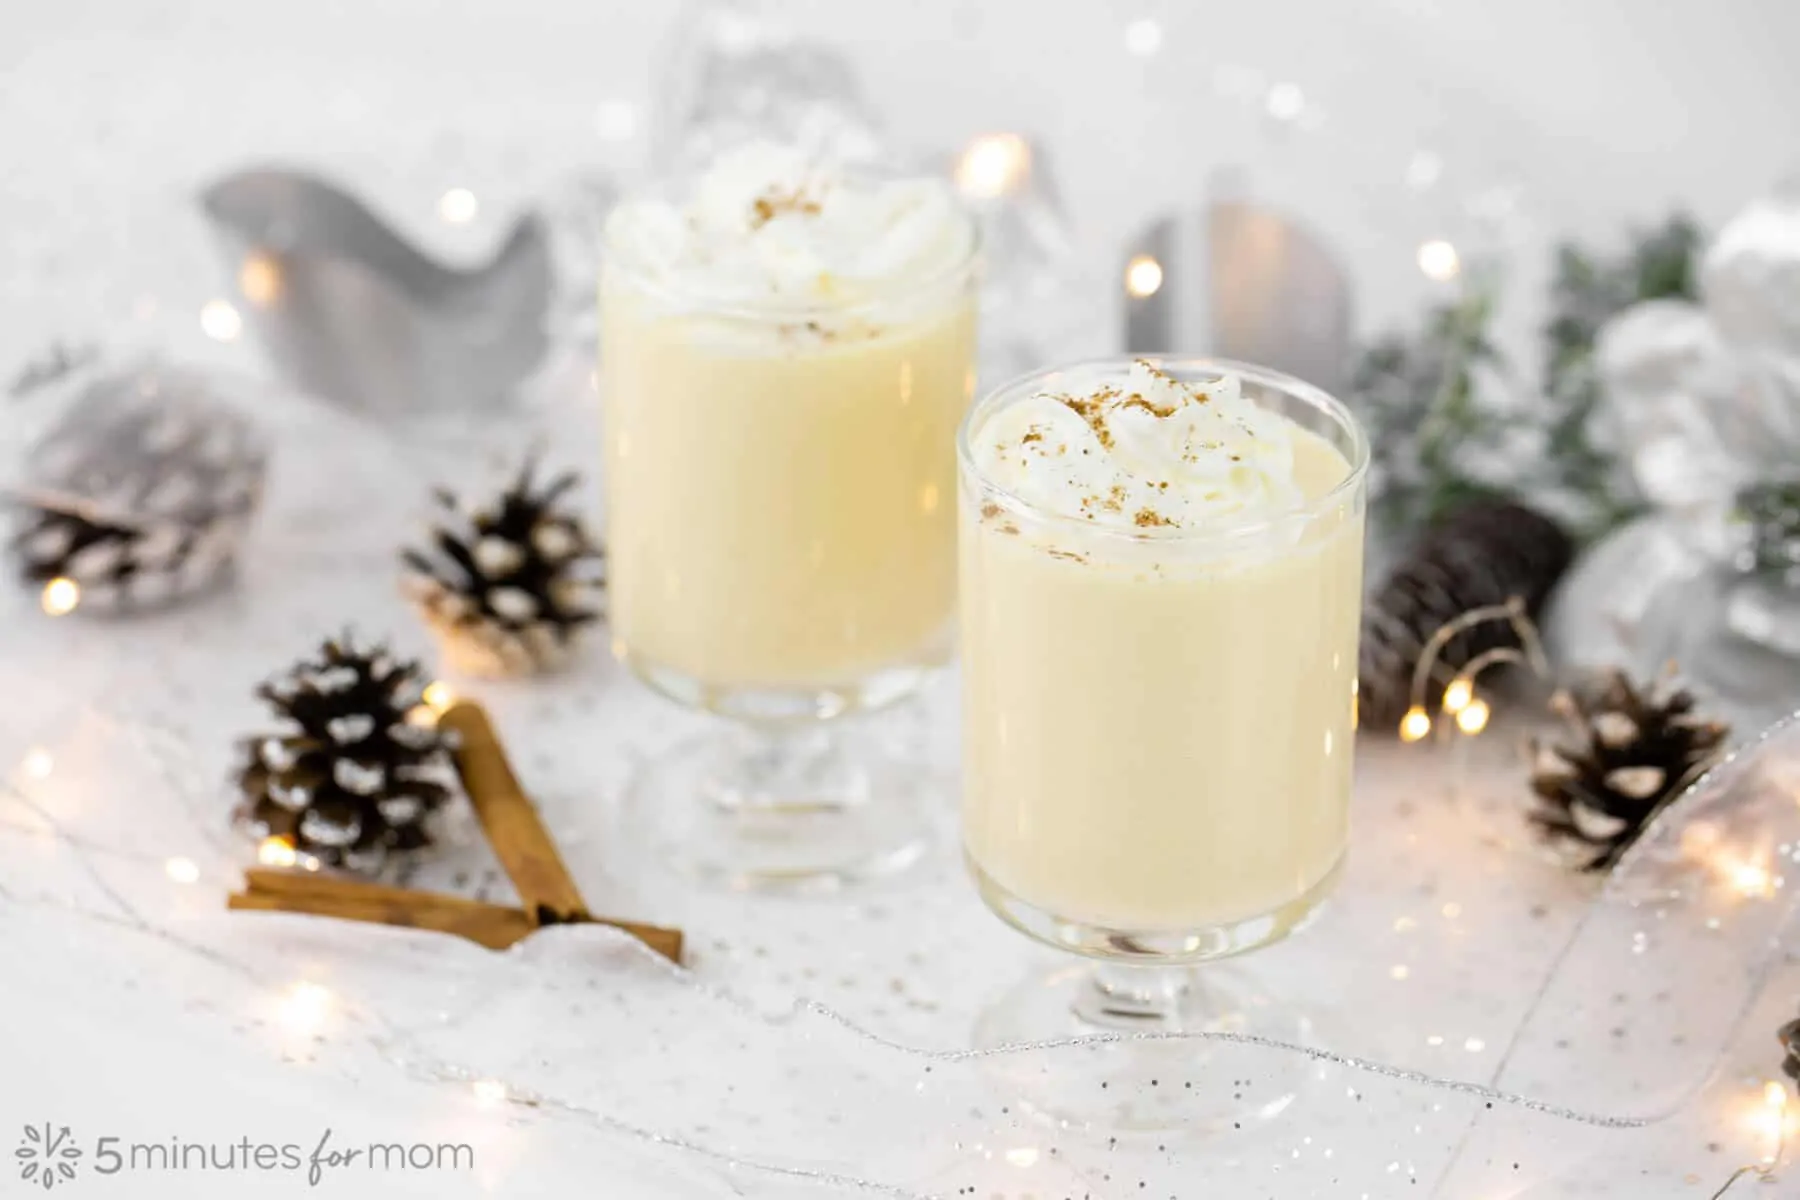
(1158, 725)
(781, 539)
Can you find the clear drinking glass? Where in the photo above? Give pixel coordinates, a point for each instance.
(781, 551)
(1158, 725)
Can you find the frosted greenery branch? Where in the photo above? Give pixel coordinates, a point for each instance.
(1434, 397)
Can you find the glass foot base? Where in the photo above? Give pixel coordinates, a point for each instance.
(795, 812)
(1153, 947)
(1151, 1075)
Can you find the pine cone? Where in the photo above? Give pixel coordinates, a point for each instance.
(140, 494)
(1790, 1044)
(115, 567)
(1639, 749)
(1487, 553)
(508, 588)
(350, 779)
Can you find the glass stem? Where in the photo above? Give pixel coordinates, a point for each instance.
(785, 768)
(1130, 997)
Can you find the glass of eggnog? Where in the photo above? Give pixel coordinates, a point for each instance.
(1161, 584)
(787, 350)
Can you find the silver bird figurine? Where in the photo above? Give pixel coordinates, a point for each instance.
(352, 312)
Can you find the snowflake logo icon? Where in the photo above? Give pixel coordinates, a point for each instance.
(47, 1156)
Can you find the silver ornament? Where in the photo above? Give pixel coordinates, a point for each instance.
(1669, 380)
(734, 75)
(1751, 277)
(1247, 282)
(1038, 301)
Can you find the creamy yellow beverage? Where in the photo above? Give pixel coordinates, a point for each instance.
(1161, 588)
(787, 351)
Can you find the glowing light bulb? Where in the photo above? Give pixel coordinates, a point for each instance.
(38, 763)
(276, 852)
(1474, 716)
(1771, 1119)
(616, 120)
(305, 1007)
(489, 1093)
(458, 206)
(182, 870)
(993, 165)
(1439, 261)
(260, 280)
(60, 597)
(220, 321)
(1415, 725)
(1143, 276)
(1751, 879)
(439, 696)
(1423, 170)
(1286, 101)
(1458, 695)
(1022, 1156)
(1143, 37)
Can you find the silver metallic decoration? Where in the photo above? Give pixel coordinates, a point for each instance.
(1038, 303)
(734, 75)
(349, 310)
(575, 211)
(1703, 403)
(140, 494)
(1751, 276)
(1243, 281)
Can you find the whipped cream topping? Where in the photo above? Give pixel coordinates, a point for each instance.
(1142, 450)
(771, 225)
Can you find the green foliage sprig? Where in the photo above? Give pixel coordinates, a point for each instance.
(1429, 417)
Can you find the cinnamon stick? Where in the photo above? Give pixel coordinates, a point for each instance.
(488, 925)
(511, 822)
(492, 925)
(520, 842)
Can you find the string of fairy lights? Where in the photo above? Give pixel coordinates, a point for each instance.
(1461, 705)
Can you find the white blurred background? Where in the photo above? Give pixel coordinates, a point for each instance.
(1383, 123)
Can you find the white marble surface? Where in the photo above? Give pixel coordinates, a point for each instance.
(113, 736)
